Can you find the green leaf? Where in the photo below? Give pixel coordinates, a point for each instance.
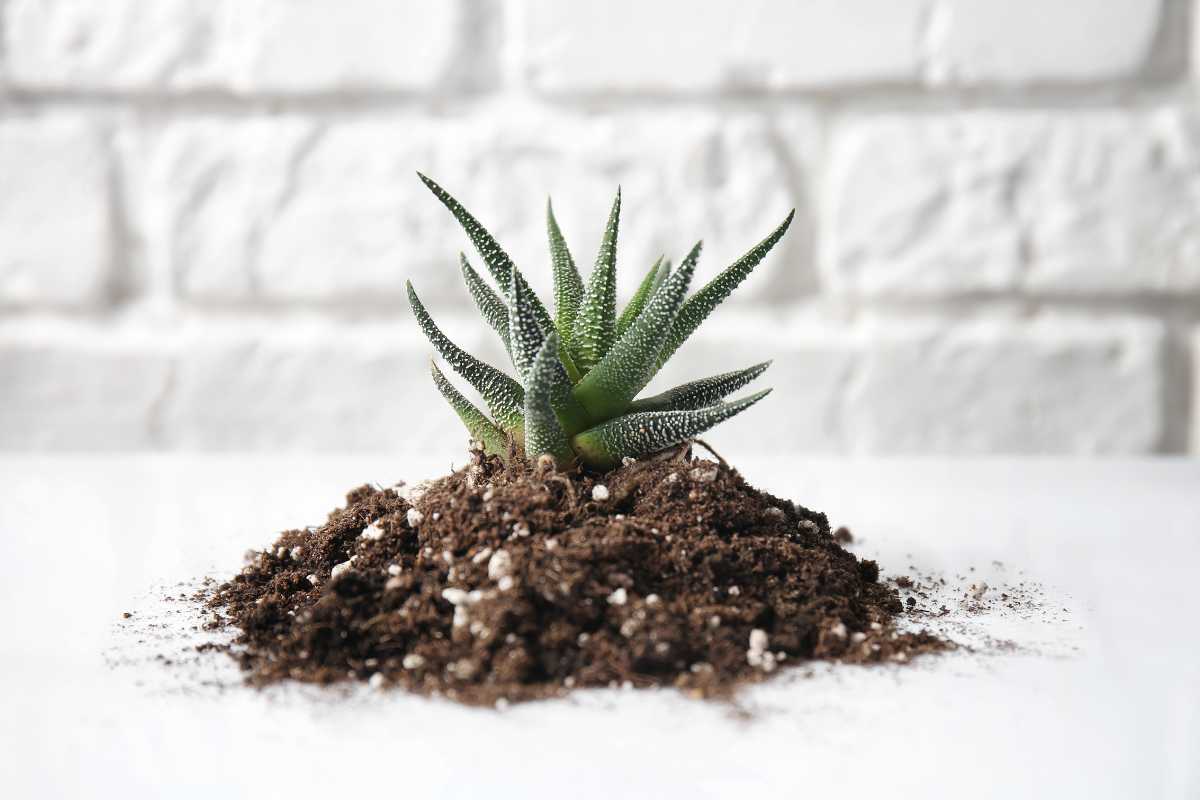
(702, 303)
(595, 328)
(491, 307)
(663, 272)
(701, 393)
(645, 432)
(527, 340)
(543, 432)
(480, 427)
(504, 396)
(640, 298)
(568, 286)
(525, 335)
(611, 385)
(498, 263)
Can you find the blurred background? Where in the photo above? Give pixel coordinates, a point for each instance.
(208, 210)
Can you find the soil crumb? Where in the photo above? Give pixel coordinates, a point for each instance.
(499, 584)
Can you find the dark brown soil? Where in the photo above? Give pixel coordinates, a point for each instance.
(502, 584)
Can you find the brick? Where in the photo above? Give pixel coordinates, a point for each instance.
(280, 210)
(314, 389)
(1028, 41)
(81, 391)
(57, 245)
(627, 46)
(1083, 202)
(624, 45)
(1050, 386)
(269, 46)
(1194, 425)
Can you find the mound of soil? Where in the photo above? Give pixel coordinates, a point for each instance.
(499, 584)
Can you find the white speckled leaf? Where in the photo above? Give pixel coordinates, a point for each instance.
(595, 328)
(642, 296)
(525, 335)
(504, 396)
(480, 427)
(527, 340)
(543, 432)
(663, 273)
(701, 304)
(498, 263)
(491, 307)
(568, 285)
(701, 393)
(611, 385)
(645, 432)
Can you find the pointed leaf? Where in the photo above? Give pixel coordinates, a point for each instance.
(498, 263)
(504, 396)
(491, 307)
(527, 340)
(663, 272)
(640, 298)
(701, 304)
(595, 328)
(543, 432)
(568, 285)
(480, 427)
(646, 432)
(525, 335)
(612, 384)
(701, 393)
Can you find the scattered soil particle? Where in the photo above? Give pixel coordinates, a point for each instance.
(843, 536)
(504, 583)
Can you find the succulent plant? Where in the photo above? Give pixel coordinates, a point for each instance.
(580, 371)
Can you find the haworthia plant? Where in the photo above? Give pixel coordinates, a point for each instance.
(579, 373)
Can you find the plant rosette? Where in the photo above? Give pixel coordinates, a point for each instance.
(583, 545)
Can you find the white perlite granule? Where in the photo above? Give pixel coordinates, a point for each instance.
(618, 597)
(499, 565)
(413, 661)
(482, 556)
(415, 518)
(394, 570)
(599, 492)
(454, 596)
(372, 532)
(757, 655)
(339, 569)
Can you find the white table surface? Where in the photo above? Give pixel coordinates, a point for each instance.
(1100, 698)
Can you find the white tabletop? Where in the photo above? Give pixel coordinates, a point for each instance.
(1099, 697)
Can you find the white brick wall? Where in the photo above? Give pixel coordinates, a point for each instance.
(208, 211)
(1064, 202)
